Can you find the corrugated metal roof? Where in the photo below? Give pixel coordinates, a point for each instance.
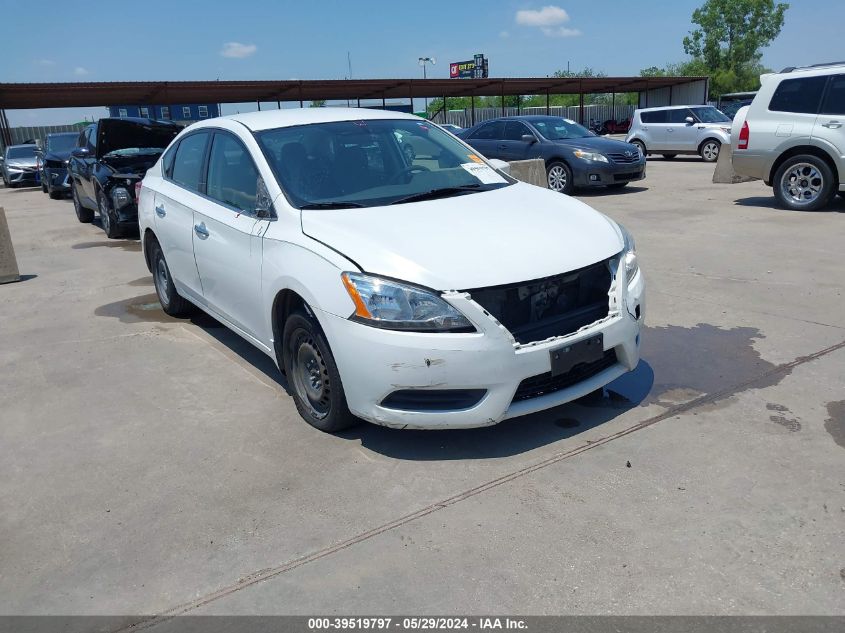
(59, 95)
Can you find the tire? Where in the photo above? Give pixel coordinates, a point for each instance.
(44, 188)
(841, 194)
(107, 218)
(308, 360)
(709, 150)
(669, 156)
(804, 183)
(641, 145)
(55, 195)
(171, 301)
(618, 185)
(83, 214)
(559, 177)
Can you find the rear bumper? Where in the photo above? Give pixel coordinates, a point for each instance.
(602, 174)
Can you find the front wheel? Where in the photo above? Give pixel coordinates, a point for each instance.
(641, 145)
(803, 183)
(44, 187)
(313, 375)
(559, 177)
(83, 214)
(171, 301)
(710, 150)
(107, 218)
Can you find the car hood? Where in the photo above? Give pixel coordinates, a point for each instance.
(21, 162)
(597, 144)
(503, 236)
(123, 134)
(57, 156)
(130, 166)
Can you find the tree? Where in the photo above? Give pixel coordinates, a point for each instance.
(732, 32)
(319, 103)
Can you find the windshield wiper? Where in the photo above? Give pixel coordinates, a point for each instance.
(443, 192)
(332, 205)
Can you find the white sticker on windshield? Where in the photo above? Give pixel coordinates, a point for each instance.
(484, 173)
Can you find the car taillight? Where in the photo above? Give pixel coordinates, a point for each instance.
(744, 135)
(138, 190)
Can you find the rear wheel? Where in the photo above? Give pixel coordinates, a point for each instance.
(171, 301)
(803, 183)
(44, 188)
(313, 375)
(559, 177)
(55, 195)
(709, 150)
(107, 218)
(83, 214)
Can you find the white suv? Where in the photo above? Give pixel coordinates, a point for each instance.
(792, 135)
(677, 130)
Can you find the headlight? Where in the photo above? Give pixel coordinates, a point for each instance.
(593, 156)
(629, 253)
(120, 197)
(396, 306)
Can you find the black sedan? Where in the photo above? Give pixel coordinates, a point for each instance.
(574, 156)
(53, 160)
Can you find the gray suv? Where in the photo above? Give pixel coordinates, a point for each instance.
(677, 130)
(792, 136)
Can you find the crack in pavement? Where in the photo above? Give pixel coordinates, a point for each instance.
(271, 572)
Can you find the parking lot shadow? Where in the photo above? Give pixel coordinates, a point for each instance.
(768, 202)
(510, 437)
(598, 192)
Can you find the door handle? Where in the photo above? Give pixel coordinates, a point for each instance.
(200, 230)
(160, 212)
(832, 125)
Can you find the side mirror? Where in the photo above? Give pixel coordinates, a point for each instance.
(529, 138)
(689, 120)
(80, 152)
(501, 165)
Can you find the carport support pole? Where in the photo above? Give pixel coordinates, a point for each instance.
(258, 103)
(548, 103)
(580, 102)
(503, 98)
(613, 106)
(383, 102)
(472, 109)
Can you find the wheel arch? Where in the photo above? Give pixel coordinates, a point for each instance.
(146, 246)
(709, 138)
(285, 302)
(804, 149)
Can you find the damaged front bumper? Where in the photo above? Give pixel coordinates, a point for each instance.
(433, 381)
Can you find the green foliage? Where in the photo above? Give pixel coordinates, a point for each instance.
(319, 103)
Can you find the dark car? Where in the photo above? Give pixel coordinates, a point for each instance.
(574, 156)
(52, 163)
(110, 157)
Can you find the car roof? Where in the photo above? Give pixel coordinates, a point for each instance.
(675, 107)
(270, 119)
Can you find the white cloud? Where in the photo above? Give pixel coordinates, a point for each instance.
(504, 34)
(79, 70)
(547, 16)
(560, 31)
(238, 50)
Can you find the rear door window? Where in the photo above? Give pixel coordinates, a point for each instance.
(655, 116)
(188, 162)
(801, 95)
(494, 130)
(834, 101)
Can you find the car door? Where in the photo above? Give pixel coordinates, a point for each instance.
(654, 129)
(511, 146)
(179, 193)
(487, 137)
(228, 235)
(829, 130)
(680, 134)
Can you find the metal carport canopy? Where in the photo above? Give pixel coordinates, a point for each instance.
(15, 96)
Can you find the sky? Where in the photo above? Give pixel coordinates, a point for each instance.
(252, 39)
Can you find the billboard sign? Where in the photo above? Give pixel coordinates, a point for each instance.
(475, 68)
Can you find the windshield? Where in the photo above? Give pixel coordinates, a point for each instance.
(558, 128)
(22, 152)
(710, 115)
(372, 163)
(60, 142)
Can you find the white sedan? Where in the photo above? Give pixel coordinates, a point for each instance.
(424, 292)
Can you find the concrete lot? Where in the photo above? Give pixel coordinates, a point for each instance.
(150, 465)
